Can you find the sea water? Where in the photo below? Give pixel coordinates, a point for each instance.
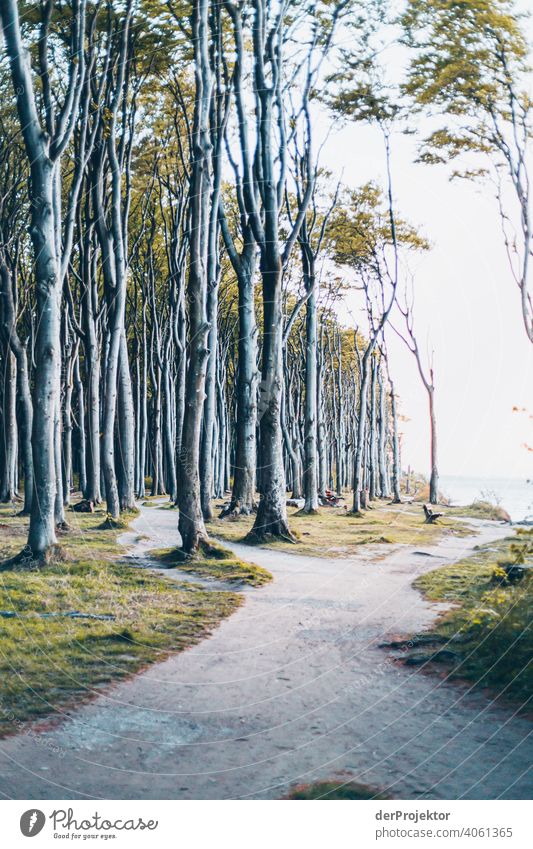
(513, 494)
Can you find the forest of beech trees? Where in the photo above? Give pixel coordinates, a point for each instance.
(174, 258)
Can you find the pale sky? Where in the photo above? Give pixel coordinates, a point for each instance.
(467, 304)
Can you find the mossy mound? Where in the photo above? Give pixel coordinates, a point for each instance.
(213, 561)
(335, 790)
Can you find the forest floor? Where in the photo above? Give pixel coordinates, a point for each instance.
(335, 532)
(87, 618)
(293, 689)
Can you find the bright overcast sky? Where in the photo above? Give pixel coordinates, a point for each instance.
(467, 304)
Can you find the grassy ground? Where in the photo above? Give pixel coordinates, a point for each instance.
(216, 562)
(336, 533)
(480, 510)
(50, 661)
(487, 637)
(335, 790)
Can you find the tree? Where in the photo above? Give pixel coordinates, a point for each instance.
(469, 65)
(427, 376)
(44, 145)
(191, 522)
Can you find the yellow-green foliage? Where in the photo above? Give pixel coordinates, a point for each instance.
(48, 662)
(491, 629)
(336, 533)
(216, 562)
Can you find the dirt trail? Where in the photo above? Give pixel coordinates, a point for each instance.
(291, 688)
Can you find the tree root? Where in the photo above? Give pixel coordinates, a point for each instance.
(303, 512)
(236, 509)
(255, 537)
(30, 560)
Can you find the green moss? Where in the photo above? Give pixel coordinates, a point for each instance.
(338, 533)
(122, 522)
(489, 631)
(48, 662)
(335, 790)
(216, 562)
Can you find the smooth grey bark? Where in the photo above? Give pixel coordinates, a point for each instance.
(310, 472)
(321, 425)
(287, 420)
(372, 448)
(428, 381)
(243, 492)
(112, 244)
(396, 469)
(191, 522)
(92, 491)
(25, 416)
(219, 114)
(434, 476)
(168, 433)
(82, 442)
(358, 474)
(143, 412)
(384, 486)
(47, 284)
(244, 265)
(9, 430)
(207, 446)
(44, 147)
(271, 518)
(126, 431)
(180, 337)
(338, 403)
(68, 388)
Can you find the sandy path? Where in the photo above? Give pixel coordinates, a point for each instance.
(292, 688)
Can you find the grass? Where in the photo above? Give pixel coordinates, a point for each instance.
(47, 663)
(481, 510)
(488, 634)
(215, 562)
(336, 533)
(335, 790)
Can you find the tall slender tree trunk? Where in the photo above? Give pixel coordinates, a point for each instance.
(358, 472)
(168, 403)
(310, 475)
(126, 431)
(271, 518)
(372, 448)
(209, 411)
(434, 477)
(25, 408)
(396, 468)
(143, 413)
(82, 442)
(9, 431)
(384, 487)
(243, 493)
(42, 534)
(191, 521)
